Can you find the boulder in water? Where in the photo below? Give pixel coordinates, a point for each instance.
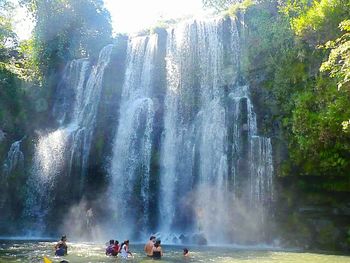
(199, 239)
(184, 239)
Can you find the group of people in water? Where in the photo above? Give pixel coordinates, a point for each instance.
(114, 249)
(152, 248)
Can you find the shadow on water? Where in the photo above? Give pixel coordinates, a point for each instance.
(33, 251)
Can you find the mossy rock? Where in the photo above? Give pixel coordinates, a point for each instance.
(327, 235)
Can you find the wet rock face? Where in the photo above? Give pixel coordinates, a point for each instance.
(2, 135)
(12, 176)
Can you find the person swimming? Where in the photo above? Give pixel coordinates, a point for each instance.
(61, 248)
(186, 252)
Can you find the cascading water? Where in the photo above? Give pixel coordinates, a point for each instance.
(14, 162)
(199, 116)
(68, 147)
(187, 159)
(130, 167)
(14, 159)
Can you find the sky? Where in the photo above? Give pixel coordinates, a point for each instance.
(128, 16)
(23, 24)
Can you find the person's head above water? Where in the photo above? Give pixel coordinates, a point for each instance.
(152, 238)
(111, 242)
(126, 242)
(185, 251)
(157, 244)
(64, 238)
(116, 242)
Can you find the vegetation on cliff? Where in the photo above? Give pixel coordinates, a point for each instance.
(296, 58)
(301, 51)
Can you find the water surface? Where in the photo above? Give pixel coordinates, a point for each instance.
(34, 251)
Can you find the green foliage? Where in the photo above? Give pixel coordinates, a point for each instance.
(318, 21)
(12, 103)
(12, 112)
(241, 7)
(322, 147)
(67, 29)
(29, 65)
(338, 63)
(346, 126)
(271, 49)
(294, 8)
(166, 23)
(8, 38)
(266, 34)
(219, 5)
(280, 46)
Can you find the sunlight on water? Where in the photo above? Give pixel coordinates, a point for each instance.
(29, 251)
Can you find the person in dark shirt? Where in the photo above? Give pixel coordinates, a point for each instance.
(157, 250)
(61, 248)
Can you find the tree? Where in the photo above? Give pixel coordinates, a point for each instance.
(338, 63)
(67, 29)
(220, 5)
(316, 21)
(8, 38)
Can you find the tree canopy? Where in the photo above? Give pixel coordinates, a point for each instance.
(67, 29)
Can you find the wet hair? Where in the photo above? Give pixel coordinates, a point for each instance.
(157, 243)
(152, 237)
(185, 251)
(116, 242)
(111, 242)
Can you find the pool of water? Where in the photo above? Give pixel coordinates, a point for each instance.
(34, 251)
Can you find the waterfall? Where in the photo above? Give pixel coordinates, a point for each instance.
(14, 159)
(186, 157)
(204, 111)
(14, 162)
(59, 152)
(130, 166)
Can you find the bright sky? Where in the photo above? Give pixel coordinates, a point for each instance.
(23, 24)
(128, 16)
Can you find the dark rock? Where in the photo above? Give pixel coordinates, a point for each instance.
(184, 239)
(199, 239)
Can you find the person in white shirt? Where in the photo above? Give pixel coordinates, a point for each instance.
(124, 250)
